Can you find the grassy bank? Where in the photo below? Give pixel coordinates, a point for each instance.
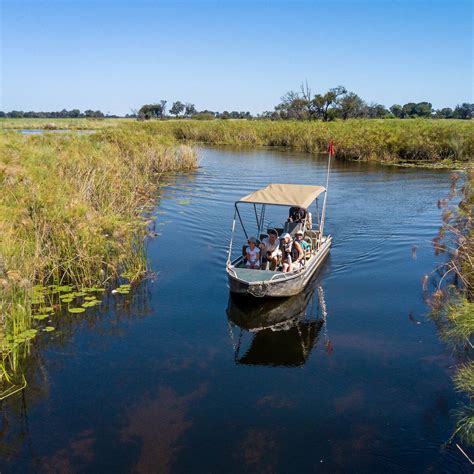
(453, 301)
(72, 215)
(393, 141)
(420, 141)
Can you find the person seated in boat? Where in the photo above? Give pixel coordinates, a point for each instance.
(270, 248)
(292, 254)
(297, 214)
(252, 255)
(304, 245)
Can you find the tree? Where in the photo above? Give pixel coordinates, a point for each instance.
(423, 109)
(351, 106)
(150, 111)
(445, 113)
(409, 110)
(189, 109)
(177, 108)
(397, 110)
(464, 111)
(163, 108)
(293, 106)
(320, 106)
(376, 111)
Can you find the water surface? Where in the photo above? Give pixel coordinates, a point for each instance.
(177, 378)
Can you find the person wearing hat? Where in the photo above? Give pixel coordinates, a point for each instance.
(252, 254)
(292, 254)
(270, 248)
(299, 238)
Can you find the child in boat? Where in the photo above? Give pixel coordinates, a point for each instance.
(252, 254)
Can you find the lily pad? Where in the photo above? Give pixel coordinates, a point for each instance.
(90, 298)
(89, 304)
(49, 329)
(67, 300)
(66, 295)
(40, 317)
(76, 310)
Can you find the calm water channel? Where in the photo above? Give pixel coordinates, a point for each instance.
(172, 378)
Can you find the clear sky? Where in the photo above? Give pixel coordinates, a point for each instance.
(116, 55)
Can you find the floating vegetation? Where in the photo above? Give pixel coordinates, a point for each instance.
(76, 310)
(40, 317)
(122, 289)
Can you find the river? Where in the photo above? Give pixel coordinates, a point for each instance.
(174, 377)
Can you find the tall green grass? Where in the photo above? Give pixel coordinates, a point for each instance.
(417, 141)
(453, 301)
(73, 210)
(409, 141)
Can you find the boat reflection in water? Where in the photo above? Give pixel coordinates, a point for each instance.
(278, 333)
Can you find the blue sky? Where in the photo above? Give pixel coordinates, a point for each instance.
(228, 55)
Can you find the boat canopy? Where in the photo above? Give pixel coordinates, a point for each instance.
(300, 195)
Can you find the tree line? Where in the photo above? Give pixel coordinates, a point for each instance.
(74, 113)
(339, 103)
(336, 103)
(179, 109)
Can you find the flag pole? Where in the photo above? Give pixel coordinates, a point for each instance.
(323, 214)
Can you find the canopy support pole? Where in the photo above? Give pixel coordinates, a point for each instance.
(231, 237)
(323, 214)
(241, 223)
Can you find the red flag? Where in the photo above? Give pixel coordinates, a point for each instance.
(331, 148)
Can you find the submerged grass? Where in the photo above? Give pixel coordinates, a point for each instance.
(72, 211)
(417, 141)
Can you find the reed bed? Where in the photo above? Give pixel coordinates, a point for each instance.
(73, 212)
(453, 300)
(418, 141)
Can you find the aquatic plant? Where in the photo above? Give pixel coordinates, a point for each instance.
(72, 214)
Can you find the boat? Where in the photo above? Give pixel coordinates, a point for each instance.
(275, 283)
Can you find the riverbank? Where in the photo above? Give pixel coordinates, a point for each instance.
(72, 215)
(417, 142)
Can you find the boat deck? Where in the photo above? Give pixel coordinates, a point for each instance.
(248, 274)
